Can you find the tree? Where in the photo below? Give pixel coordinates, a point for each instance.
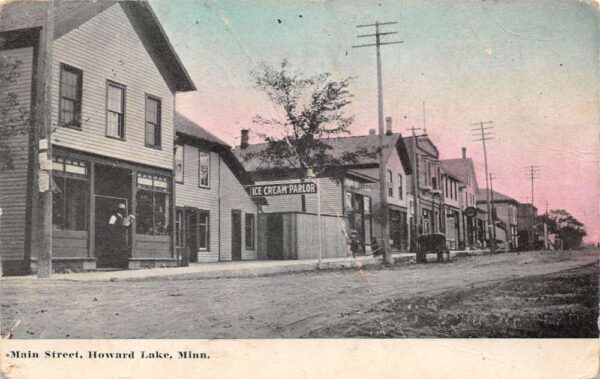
(313, 108)
(566, 227)
(12, 116)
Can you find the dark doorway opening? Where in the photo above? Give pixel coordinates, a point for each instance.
(112, 186)
(275, 237)
(191, 233)
(112, 251)
(236, 235)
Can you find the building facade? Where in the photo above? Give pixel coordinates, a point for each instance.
(216, 219)
(505, 217)
(349, 197)
(473, 222)
(114, 77)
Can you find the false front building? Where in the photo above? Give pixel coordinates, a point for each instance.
(114, 76)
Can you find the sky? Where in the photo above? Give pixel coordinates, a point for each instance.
(531, 67)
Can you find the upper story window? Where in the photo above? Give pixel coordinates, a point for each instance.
(115, 110)
(153, 121)
(400, 186)
(179, 163)
(390, 183)
(446, 181)
(70, 96)
(203, 169)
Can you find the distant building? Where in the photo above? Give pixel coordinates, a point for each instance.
(505, 217)
(472, 219)
(428, 194)
(526, 215)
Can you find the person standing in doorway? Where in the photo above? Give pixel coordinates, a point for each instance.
(119, 224)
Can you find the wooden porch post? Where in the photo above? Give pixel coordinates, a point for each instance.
(133, 210)
(92, 214)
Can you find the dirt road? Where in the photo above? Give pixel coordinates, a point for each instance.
(293, 305)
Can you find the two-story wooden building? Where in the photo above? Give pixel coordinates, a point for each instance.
(452, 188)
(216, 219)
(113, 85)
(505, 217)
(428, 195)
(472, 218)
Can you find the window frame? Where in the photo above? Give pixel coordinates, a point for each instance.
(390, 180)
(252, 245)
(122, 87)
(200, 185)
(148, 98)
(168, 191)
(206, 213)
(182, 163)
(79, 72)
(63, 175)
(400, 186)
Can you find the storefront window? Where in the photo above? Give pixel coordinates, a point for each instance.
(70, 194)
(153, 205)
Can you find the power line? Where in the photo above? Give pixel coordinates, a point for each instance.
(382, 179)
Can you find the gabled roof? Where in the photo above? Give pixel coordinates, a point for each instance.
(449, 170)
(340, 146)
(424, 139)
(189, 132)
(497, 196)
(68, 15)
(462, 168)
(189, 128)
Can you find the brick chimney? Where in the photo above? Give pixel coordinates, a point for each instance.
(244, 141)
(464, 153)
(388, 126)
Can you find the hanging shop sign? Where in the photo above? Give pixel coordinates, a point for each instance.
(470, 212)
(278, 189)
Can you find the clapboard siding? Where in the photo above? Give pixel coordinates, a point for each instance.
(107, 48)
(188, 194)
(393, 164)
(13, 183)
(333, 236)
(69, 243)
(153, 246)
(232, 196)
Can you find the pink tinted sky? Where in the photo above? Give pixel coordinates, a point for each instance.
(531, 67)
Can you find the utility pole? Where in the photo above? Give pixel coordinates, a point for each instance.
(533, 173)
(485, 134)
(415, 189)
(546, 243)
(382, 177)
(43, 127)
(494, 215)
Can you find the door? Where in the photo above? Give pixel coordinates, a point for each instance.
(274, 236)
(111, 252)
(191, 234)
(236, 235)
